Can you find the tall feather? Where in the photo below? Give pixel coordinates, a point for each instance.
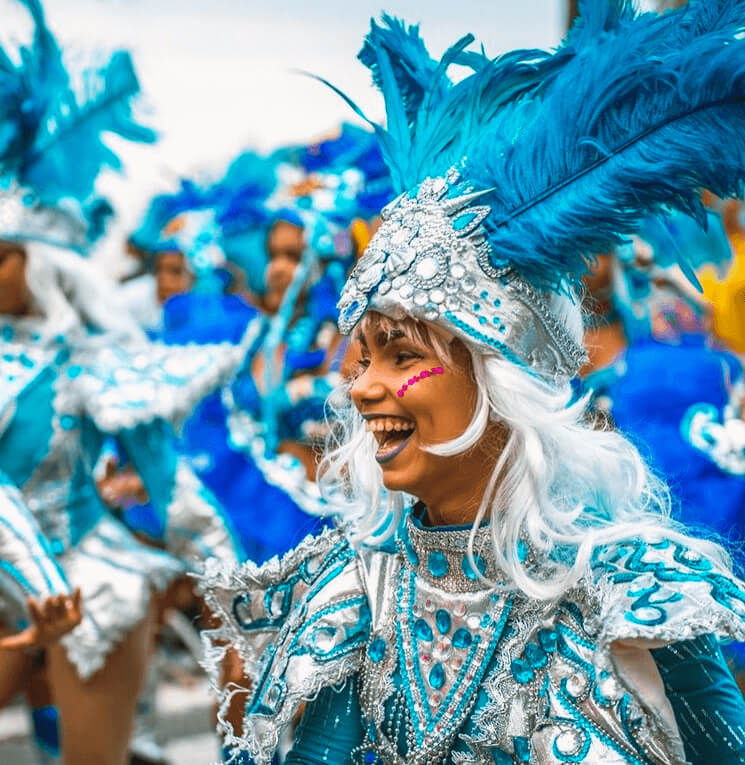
(52, 140)
(633, 112)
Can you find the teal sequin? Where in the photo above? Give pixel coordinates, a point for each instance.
(522, 551)
(535, 655)
(437, 677)
(462, 638)
(521, 746)
(376, 652)
(443, 621)
(437, 564)
(521, 671)
(468, 569)
(548, 639)
(422, 630)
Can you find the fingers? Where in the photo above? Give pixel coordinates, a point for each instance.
(36, 610)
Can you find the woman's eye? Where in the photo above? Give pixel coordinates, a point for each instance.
(403, 356)
(359, 367)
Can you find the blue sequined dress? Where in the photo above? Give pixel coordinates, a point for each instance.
(405, 656)
(60, 395)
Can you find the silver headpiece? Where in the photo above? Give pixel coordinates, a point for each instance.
(430, 260)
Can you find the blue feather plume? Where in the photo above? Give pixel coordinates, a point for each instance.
(51, 136)
(631, 114)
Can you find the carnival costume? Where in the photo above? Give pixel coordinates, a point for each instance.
(64, 387)
(27, 563)
(329, 186)
(410, 651)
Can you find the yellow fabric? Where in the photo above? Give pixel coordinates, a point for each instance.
(727, 296)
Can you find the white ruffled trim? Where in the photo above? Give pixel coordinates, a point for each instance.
(124, 386)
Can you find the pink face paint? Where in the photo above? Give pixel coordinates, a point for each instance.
(421, 376)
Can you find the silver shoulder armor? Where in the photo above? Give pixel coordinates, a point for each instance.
(299, 623)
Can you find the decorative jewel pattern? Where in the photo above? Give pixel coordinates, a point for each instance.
(454, 671)
(430, 258)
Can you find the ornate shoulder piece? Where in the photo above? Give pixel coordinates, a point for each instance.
(125, 386)
(300, 624)
(663, 591)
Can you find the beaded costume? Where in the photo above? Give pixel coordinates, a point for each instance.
(410, 651)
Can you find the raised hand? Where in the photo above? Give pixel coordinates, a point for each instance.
(50, 620)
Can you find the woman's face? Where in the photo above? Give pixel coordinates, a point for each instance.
(285, 247)
(432, 410)
(172, 277)
(13, 292)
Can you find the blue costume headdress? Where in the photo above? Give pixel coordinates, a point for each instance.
(51, 147)
(512, 178)
(215, 223)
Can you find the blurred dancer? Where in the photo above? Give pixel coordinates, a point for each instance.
(75, 369)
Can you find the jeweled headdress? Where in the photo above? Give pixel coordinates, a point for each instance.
(51, 146)
(513, 177)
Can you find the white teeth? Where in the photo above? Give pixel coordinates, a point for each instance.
(387, 425)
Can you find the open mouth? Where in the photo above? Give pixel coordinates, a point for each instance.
(392, 434)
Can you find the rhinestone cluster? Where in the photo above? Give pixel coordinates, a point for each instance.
(430, 259)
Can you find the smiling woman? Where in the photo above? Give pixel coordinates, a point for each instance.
(505, 584)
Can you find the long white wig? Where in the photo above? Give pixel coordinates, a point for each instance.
(71, 294)
(562, 484)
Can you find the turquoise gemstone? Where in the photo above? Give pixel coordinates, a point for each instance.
(370, 758)
(443, 621)
(437, 677)
(437, 564)
(547, 639)
(521, 746)
(501, 758)
(68, 422)
(74, 370)
(465, 564)
(422, 630)
(535, 655)
(7, 333)
(521, 671)
(462, 638)
(522, 551)
(376, 651)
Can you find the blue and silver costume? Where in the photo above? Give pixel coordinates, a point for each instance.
(508, 179)
(437, 667)
(62, 395)
(27, 563)
(61, 392)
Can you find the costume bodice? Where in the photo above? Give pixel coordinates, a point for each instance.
(451, 669)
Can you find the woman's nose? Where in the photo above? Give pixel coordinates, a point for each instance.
(367, 389)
